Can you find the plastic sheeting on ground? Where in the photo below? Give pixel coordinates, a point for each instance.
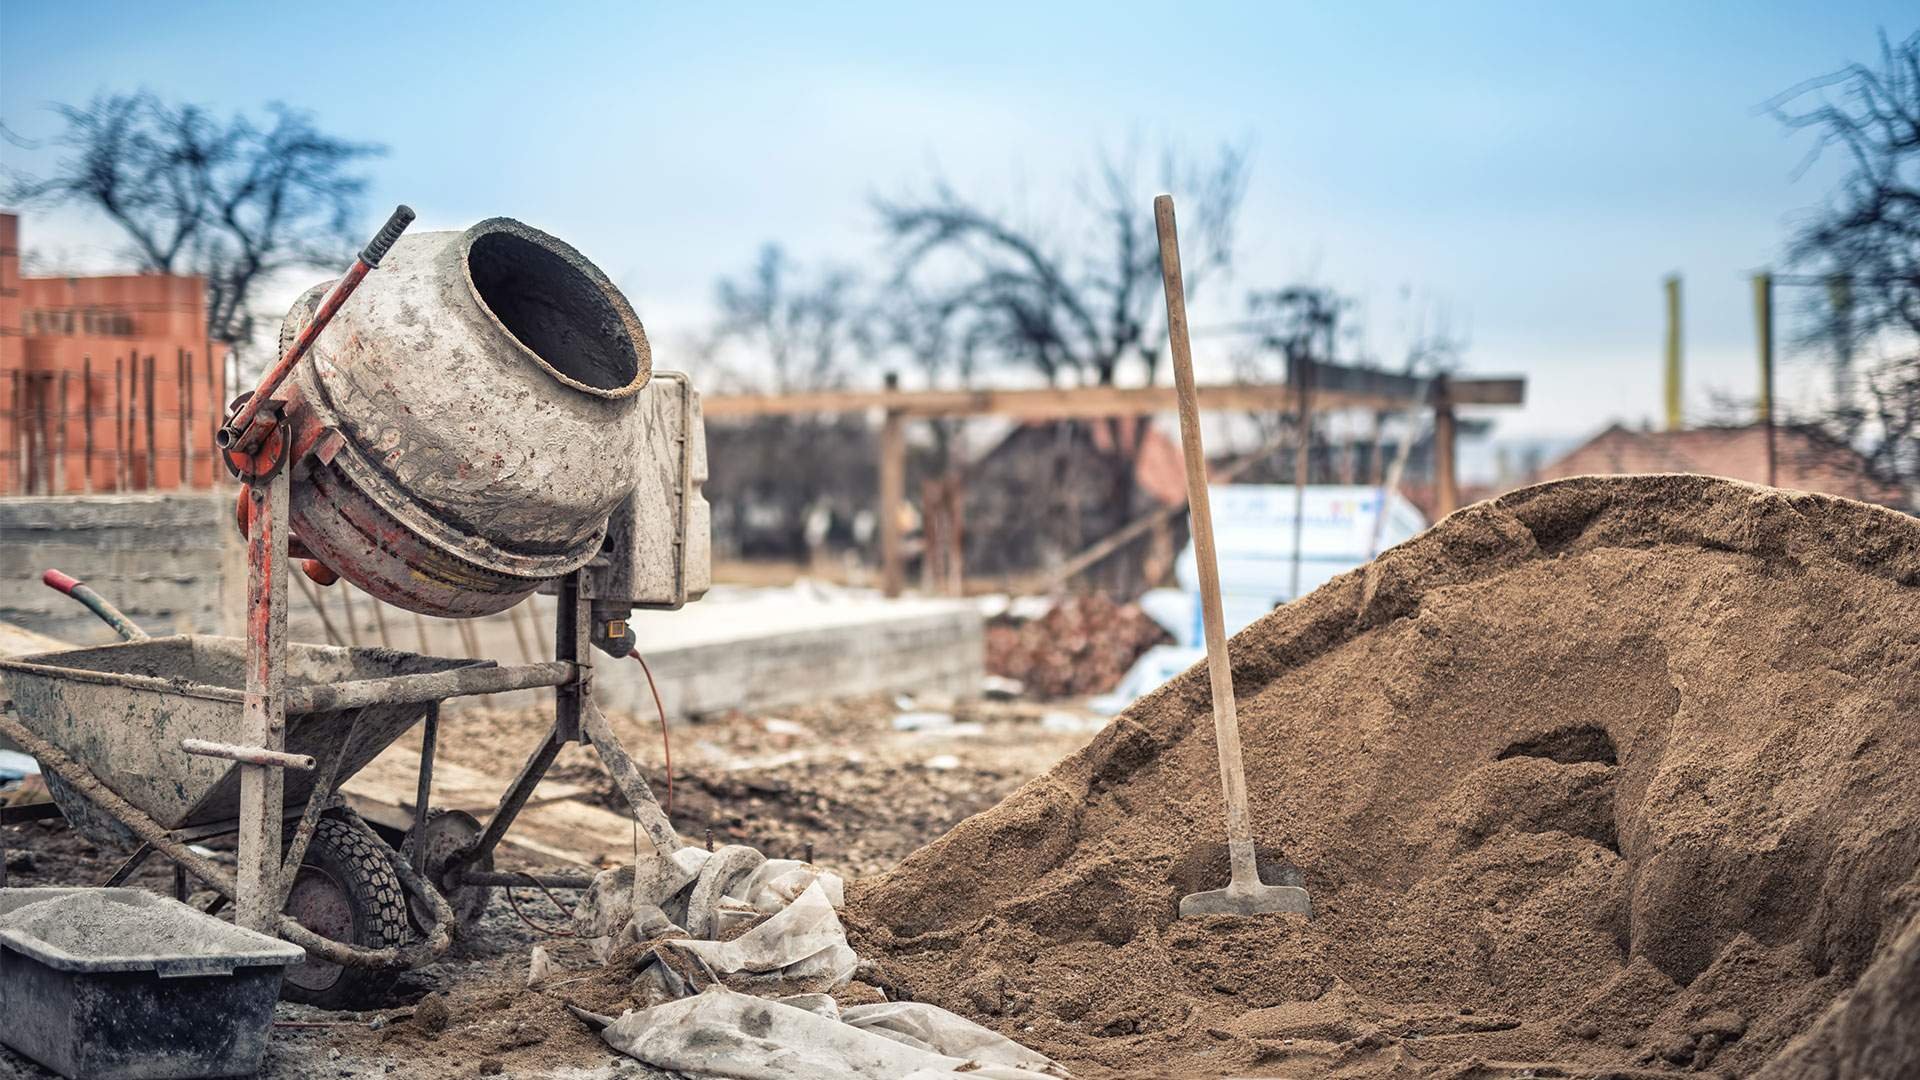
(801, 949)
(749, 995)
(722, 1033)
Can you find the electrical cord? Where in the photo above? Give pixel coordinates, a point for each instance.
(666, 744)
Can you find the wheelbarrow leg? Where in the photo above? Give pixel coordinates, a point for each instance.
(631, 782)
(128, 867)
(517, 794)
(318, 799)
(263, 723)
(423, 795)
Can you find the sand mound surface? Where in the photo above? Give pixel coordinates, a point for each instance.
(1610, 773)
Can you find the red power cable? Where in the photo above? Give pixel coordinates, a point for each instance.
(666, 744)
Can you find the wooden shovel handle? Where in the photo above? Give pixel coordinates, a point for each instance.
(1226, 721)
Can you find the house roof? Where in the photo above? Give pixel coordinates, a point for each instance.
(1805, 460)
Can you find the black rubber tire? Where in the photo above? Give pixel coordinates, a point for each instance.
(345, 890)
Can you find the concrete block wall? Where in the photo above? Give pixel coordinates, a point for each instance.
(157, 557)
(175, 564)
(916, 647)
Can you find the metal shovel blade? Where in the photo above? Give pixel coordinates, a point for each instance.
(1247, 898)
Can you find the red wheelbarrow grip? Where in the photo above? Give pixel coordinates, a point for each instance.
(112, 616)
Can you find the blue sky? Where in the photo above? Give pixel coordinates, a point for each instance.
(1531, 169)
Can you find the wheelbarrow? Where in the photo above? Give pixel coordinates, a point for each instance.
(138, 744)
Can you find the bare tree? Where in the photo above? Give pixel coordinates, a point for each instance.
(1076, 306)
(235, 201)
(1865, 243)
(803, 325)
(1076, 300)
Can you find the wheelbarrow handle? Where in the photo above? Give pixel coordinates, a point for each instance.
(79, 590)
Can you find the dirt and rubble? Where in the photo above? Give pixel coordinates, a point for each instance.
(837, 776)
(1083, 644)
(1606, 777)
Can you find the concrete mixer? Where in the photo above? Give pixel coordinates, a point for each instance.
(477, 420)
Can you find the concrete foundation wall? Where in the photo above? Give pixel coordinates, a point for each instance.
(175, 564)
(156, 557)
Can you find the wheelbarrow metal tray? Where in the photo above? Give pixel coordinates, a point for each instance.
(163, 991)
(121, 711)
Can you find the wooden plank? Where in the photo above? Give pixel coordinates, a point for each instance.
(1487, 391)
(1092, 401)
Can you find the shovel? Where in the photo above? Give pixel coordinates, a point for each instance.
(1244, 894)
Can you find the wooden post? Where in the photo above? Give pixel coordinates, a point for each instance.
(893, 494)
(1446, 479)
(1376, 457)
(956, 532)
(153, 465)
(264, 716)
(86, 422)
(1763, 328)
(1302, 376)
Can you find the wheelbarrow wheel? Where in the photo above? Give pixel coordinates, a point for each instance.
(346, 890)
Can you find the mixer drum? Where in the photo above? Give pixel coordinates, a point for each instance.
(485, 383)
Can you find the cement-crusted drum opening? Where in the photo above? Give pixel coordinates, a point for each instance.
(569, 319)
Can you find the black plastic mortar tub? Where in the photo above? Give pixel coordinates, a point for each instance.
(106, 984)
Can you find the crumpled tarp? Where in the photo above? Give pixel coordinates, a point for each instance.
(723, 1033)
(749, 996)
(800, 949)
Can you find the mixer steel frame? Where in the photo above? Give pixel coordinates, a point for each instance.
(264, 877)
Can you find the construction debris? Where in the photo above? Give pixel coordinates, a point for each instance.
(1082, 645)
(1605, 775)
(732, 960)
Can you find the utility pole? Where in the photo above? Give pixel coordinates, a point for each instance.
(1763, 334)
(1673, 394)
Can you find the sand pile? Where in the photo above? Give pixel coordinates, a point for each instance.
(1612, 773)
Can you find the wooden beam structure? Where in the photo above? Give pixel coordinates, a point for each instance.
(1335, 388)
(1084, 402)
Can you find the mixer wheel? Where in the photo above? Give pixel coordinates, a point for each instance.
(448, 835)
(346, 890)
